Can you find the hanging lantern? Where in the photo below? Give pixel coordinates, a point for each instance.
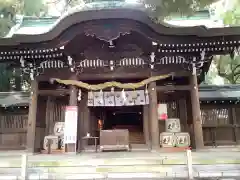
(79, 95)
(22, 62)
(146, 90)
(112, 91)
(101, 92)
(152, 56)
(134, 94)
(70, 60)
(90, 95)
(31, 76)
(203, 53)
(101, 97)
(124, 95)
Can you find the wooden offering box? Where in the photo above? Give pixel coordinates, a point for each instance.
(113, 140)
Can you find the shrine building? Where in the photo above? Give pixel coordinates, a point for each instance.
(125, 73)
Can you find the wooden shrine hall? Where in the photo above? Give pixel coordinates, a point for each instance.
(118, 67)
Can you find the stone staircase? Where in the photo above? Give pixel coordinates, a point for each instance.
(119, 165)
(136, 137)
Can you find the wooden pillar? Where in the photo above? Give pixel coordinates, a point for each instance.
(40, 123)
(71, 148)
(146, 125)
(73, 96)
(196, 113)
(183, 114)
(235, 123)
(32, 116)
(153, 116)
(83, 121)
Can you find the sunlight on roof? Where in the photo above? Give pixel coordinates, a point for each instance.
(33, 30)
(200, 22)
(131, 1)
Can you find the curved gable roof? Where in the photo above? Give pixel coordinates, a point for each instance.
(120, 11)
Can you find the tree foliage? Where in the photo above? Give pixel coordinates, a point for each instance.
(38, 8)
(163, 8)
(229, 66)
(232, 16)
(8, 10)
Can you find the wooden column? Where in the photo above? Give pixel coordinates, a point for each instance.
(183, 115)
(83, 121)
(70, 148)
(196, 113)
(32, 116)
(153, 116)
(235, 123)
(146, 125)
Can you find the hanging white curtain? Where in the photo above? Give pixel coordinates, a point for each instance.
(118, 98)
(140, 98)
(109, 99)
(98, 99)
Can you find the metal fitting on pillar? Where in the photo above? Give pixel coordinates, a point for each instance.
(70, 63)
(111, 63)
(22, 61)
(152, 56)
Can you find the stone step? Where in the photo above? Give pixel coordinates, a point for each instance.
(136, 138)
(131, 171)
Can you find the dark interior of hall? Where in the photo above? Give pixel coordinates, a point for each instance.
(124, 117)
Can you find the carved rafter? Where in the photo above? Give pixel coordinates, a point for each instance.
(106, 32)
(104, 52)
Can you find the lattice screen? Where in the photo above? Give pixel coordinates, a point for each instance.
(218, 116)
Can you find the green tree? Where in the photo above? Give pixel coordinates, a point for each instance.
(229, 66)
(8, 10)
(163, 8)
(212, 76)
(36, 8)
(232, 16)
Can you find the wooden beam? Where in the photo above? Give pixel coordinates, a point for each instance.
(120, 73)
(174, 88)
(32, 116)
(196, 113)
(58, 92)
